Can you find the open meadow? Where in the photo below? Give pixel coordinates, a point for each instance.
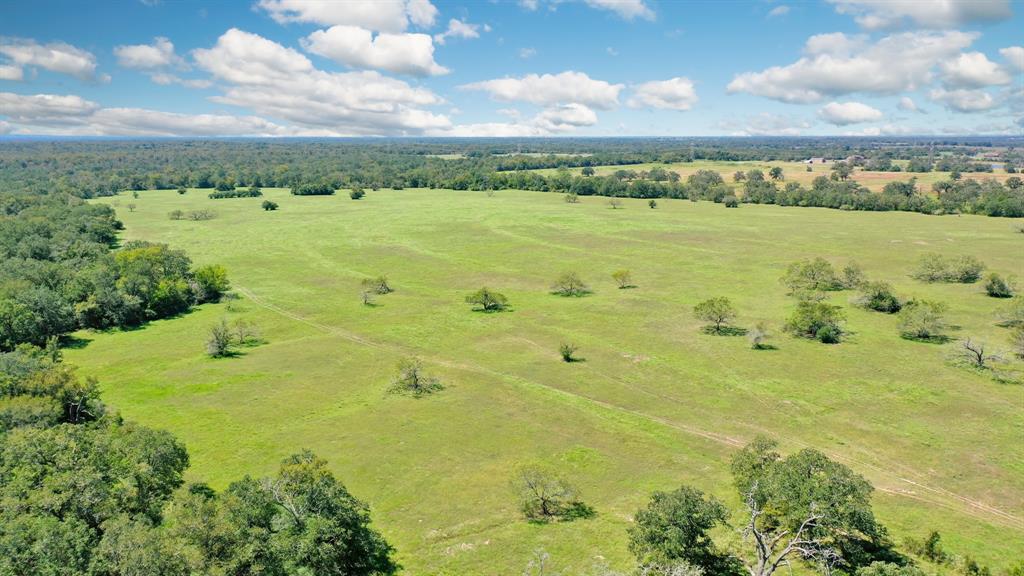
(656, 402)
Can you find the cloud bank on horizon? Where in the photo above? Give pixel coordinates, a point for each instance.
(526, 68)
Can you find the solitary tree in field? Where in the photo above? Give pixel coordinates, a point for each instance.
(976, 354)
(182, 190)
(572, 198)
(487, 300)
(998, 287)
(356, 193)
(759, 337)
(131, 207)
(719, 312)
(545, 496)
(776, 173)
(587, 171)
(922, 320)
(652, 203)
(615, 203)
(413, 380)
(378, 285)
(623, 278)
(269, 205)
(567, 352)
(570, 284)
(218, 344)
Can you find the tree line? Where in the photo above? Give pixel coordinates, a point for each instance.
(59, 271)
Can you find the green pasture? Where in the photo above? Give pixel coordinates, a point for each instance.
(656, 403)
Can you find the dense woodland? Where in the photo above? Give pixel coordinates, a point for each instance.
(84, 492)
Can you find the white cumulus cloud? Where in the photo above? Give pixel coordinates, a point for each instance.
(1014, 56)
(458, 29)
(552, 89)
(377, 15)
(357, 47)
(159, 54)
(279, 82)
(844, 113)
(877, 14)
(962, 100)
(973, 70)
(55, 56)
(628, 9)
(896, 63)
(907, 104)
(672, 94)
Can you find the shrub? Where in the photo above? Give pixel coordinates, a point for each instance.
(218, 344)
(998, 287)
(615, 203)
(211, 282)
(759, 337)
(853, 276)
(412, 380)
(182, 190)
(623, 278)
(253, 192)
(817, 320)
(717, 311)
(571, 198)
(652, 203)
(567, 352)
(731, 201)
(879, 296)
(922, 320)
(935, 268)
(1012, 314)
(269, 205)
(356, 193)
(309, 189)
(378, 285)
(811, 276)
(198, 215)
(487, 300)
(1017, 342)
(175, 214)
(570, 284)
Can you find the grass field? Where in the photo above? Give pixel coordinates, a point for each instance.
(656, 403)
(794, 171)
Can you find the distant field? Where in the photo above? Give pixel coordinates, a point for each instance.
(656, 403)
(795, 171)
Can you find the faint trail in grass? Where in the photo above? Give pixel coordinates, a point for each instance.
(972, 507)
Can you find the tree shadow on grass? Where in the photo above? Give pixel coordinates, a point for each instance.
(764, 347)
(724, 331)
(572, 511)
(480, 310)
(74, 342)
(936, 339)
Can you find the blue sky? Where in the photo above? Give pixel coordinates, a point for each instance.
(511, 68)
